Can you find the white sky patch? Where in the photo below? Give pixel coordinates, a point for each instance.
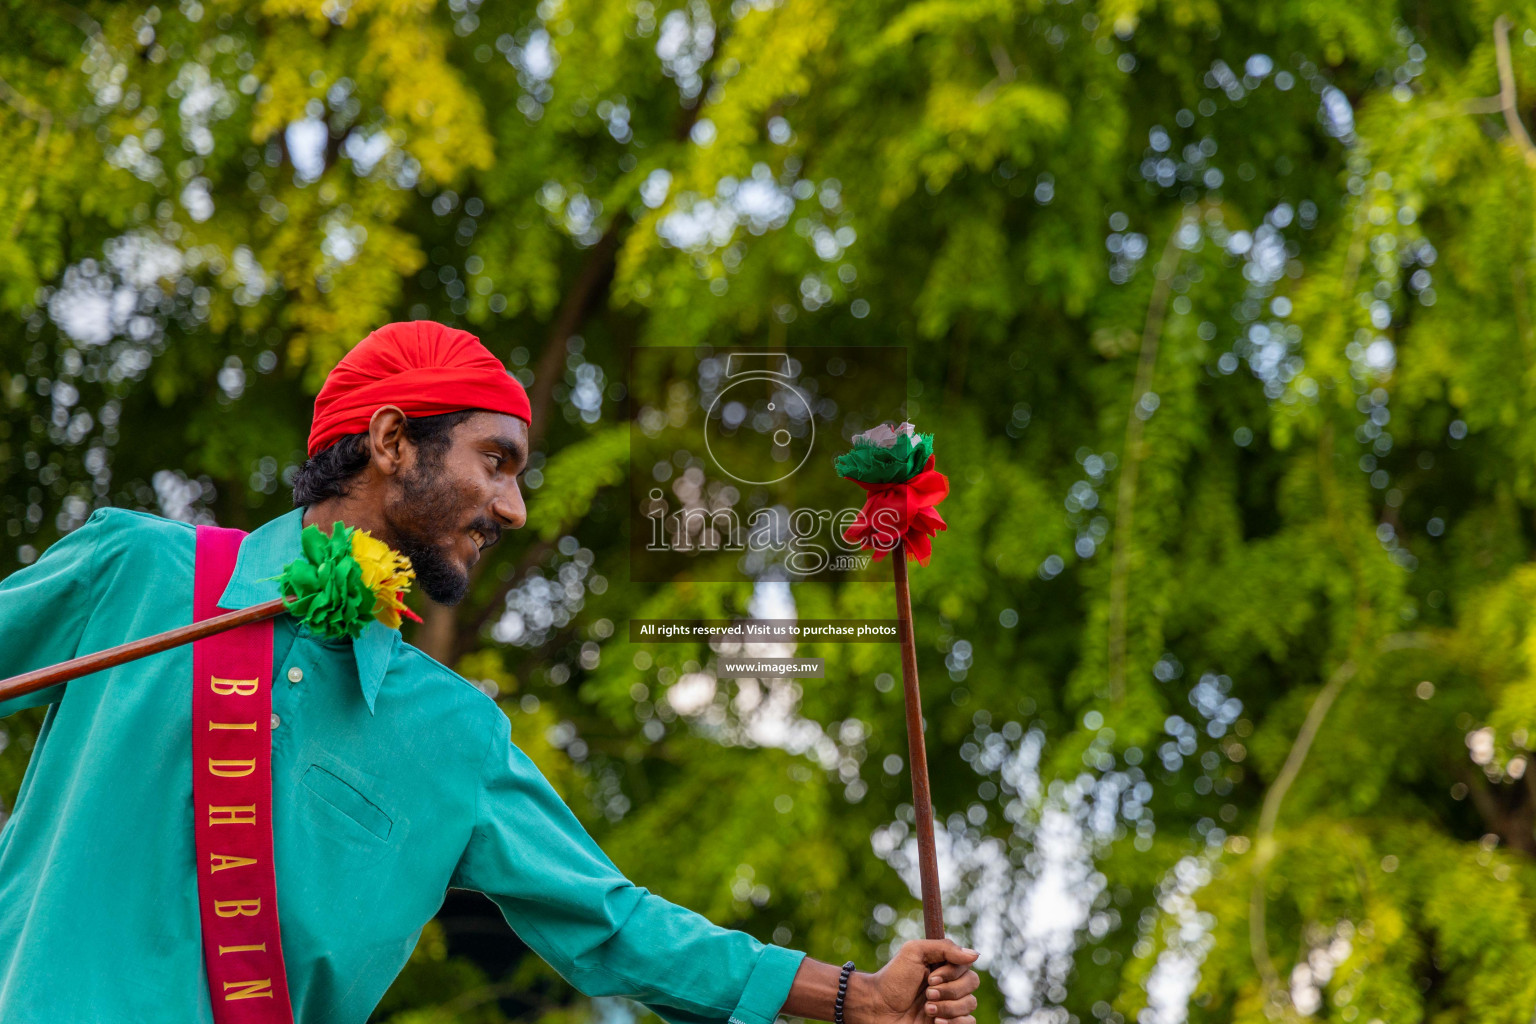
(587, 381)
(204, 100)
(1337, 115)
(1380, 355)
(771, 599)
(612, 1010)
(769, 708)
(759, 203)
(365, 150)
(765, 712)
(1266, 257)
(83, 307)
(132, 156)
(343, 240)
(306, 147)
(1028, 902)
(580, 220)
(1270, 345)
(250, 280)
(654, 189)
(617, 116)
(231, 378)
(181, 498)
(703, 224)
(539, 605)
(692, 693)
(1221, 76)
(1025, 903)
(197, 200)
(1312, 975)
(97, 301)
(143, 260)
(575, 211)
(684, 44)
(1187, 940)
(537, 58)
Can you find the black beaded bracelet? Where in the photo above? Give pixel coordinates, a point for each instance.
(842, 992)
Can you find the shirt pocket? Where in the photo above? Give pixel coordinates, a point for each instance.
(340, 795)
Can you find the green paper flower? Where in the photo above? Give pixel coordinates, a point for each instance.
(325, 588)
(886, 455)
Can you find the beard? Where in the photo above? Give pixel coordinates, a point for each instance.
(436, 574)
(427, 507)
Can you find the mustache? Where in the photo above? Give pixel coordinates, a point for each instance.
(488, 529)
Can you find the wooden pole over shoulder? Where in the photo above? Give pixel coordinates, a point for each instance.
(39, 679)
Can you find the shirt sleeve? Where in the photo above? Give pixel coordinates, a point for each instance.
(49, 602)
(604, 934)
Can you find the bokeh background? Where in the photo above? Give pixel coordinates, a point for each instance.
(1224, 312)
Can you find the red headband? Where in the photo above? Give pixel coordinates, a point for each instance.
(422, 367)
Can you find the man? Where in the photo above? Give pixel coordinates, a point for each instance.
(392, 779)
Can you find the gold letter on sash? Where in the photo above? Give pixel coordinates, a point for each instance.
(232, 725)
(231, 769)
(260, 947)
(248, 989)
(235, 687)
(237, 908)
(245, 815)
(220, 861)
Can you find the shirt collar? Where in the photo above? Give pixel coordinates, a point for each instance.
(263, 554)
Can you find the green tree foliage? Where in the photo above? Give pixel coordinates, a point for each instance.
(1223, 315)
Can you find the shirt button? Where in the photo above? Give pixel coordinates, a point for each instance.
(295, 674)
(276, 721)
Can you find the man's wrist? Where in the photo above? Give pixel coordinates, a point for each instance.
(813, 995)
(859, 1006)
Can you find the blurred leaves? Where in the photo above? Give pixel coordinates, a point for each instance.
(1303, 227)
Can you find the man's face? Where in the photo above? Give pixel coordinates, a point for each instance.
(450, 505)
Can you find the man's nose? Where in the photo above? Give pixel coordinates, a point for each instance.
(508, 507)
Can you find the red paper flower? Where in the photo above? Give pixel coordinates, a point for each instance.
(904, 511)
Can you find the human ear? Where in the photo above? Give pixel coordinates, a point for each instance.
(386, 439)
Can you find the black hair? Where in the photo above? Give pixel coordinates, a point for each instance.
(327, 474)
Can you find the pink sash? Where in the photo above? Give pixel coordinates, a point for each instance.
(232, 801)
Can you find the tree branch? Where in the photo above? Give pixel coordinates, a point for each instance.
(1264, 841)
(1007, 72)
(1130, 470)
(28, 108)
(590, 281)
(1507, 98)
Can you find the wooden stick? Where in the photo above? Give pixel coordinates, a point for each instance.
(927, 856)
(29, 682)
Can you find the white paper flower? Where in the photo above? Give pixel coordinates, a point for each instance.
(884, 436)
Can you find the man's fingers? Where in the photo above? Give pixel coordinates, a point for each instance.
(967, 1019)
(949, 1009)
(949, 972)
(956, 989)
(941, 951)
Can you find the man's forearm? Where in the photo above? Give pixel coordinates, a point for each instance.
(815, 991)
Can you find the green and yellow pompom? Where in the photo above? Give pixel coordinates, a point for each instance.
(346, 580)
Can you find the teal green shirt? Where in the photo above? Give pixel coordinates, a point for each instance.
(393, 779)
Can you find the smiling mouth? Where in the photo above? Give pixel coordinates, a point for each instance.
(480, 539)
